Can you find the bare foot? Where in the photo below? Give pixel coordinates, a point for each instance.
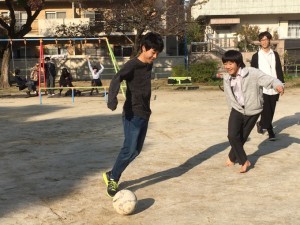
(245, 167)
(229, 163)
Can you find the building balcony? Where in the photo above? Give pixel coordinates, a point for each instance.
(47, 27)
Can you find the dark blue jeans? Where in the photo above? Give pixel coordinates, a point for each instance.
(135, 130)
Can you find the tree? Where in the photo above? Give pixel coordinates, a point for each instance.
(247, 35)
(73, 30)
(11, 30)
(196, 31)
(165, 17)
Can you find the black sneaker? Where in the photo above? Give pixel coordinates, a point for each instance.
(271, 135)
(28, 94)
(259, 128)
(112, 185)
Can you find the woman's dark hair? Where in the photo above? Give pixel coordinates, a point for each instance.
(17, 71)
(65, 71)
(152, 40)
(95, 68)
(264, 34)
(233, 56)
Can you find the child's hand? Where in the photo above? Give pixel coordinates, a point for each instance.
(280, 89)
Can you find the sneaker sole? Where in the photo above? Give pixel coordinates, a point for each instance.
(109, 195)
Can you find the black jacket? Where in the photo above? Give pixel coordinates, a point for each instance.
(50, 69)
(138, 89)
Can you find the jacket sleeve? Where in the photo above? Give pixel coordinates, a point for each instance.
(267, 81)
(228, 91)
(100, 70)
(54, 70)
(254, 60)
(114, 86)
(90, 66)
(279, 71)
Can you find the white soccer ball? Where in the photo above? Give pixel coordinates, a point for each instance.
(124, 202)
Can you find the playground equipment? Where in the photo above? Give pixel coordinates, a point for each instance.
(42, 83)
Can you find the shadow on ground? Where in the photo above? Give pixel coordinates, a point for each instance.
(45, 159)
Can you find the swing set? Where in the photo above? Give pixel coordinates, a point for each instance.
(41, 62)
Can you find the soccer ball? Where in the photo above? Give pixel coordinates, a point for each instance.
(124, 202)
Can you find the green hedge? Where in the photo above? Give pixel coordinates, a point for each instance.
(199, 72)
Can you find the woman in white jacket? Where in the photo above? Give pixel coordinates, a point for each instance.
(96, 80)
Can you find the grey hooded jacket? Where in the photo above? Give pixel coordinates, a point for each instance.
(252, 88)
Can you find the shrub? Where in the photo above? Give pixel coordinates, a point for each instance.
(179, 71)
(199, 72)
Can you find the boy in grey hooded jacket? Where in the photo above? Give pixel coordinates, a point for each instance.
(243, 88)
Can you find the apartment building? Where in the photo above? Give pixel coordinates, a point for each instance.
(224, 17)
(70, 13)
(86, 13)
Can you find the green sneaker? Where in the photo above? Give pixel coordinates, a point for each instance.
(106, 177)
(112, 185)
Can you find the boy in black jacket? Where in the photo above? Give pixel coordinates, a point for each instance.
(136, 110)
(267, 61)
(50, 72)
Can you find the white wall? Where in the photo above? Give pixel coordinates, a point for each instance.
(244, 7)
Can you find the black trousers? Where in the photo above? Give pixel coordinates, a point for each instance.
(239, 129)
(266, 116)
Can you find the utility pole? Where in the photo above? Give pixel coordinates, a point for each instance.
(186, 54)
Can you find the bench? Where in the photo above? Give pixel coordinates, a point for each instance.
(184, 81)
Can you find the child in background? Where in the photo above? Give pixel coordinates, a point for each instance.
(65, 80)
(96, 81)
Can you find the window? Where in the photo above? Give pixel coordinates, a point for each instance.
(51, 51)
(21, 15)
(118, 50)
(60, 15)
(127, 51)
(96, 51)
(90, 15)
(21, 18)
(123, 51)
(294, 29)
(96, 20)
(56, 15)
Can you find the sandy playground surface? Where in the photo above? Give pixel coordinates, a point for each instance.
(52, 157)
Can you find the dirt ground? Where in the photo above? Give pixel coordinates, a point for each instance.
(52, 156)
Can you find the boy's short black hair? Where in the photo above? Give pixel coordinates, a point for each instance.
(264, 34)
(233, 56)
(47, 58)
(17, 71)
(152, 40)
(64, 70)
